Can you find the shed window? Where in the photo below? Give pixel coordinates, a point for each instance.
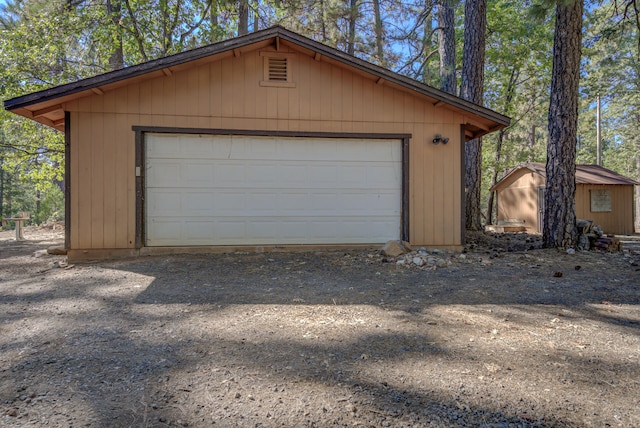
(278, 70)
(600, 200)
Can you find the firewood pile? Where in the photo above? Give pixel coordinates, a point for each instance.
(593, 237)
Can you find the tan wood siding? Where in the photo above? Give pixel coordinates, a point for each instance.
(518, 199)
(226, 94)
(619, 220)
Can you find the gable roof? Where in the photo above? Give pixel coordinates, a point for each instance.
(45, 106)
(585, 174)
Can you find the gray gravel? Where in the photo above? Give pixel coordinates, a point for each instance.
(492, 338)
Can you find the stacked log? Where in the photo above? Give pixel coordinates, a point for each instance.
(593, 237)
(607, 243)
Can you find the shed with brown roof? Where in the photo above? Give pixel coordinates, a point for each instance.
(270, 139)
(602, 195)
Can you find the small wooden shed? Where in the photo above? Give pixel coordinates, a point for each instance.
(270, 139)
(602, 195)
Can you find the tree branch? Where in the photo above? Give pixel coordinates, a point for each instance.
(136, 32)
(196, 25)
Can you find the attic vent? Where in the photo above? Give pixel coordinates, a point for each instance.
(277, 69)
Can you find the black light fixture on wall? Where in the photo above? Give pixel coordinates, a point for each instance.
(440, 139)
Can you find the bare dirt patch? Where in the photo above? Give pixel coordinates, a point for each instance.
(504, 335)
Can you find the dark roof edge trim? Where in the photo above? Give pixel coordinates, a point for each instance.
(248, 39)
(531, 166)
(136, 70)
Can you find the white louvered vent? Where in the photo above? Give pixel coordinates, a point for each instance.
(277, 69)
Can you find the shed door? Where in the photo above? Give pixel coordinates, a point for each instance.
(247, 190)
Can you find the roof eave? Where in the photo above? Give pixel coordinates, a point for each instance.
(19, 104)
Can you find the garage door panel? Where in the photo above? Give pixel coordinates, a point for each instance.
(230, 173)
(240, 190)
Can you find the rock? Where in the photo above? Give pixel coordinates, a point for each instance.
(583, 242)
(57, 251)
(571, 251)
(418, 261)
(393, 249)
(441, 263)
(40, 253)
(406, 246)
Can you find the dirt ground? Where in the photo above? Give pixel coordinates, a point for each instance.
(503, 335)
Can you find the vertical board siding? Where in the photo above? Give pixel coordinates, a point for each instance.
(518, 199)
(227, 94)
(109, 182)
(75, 182)
(121, 177)
(97, 180)
(619, 220)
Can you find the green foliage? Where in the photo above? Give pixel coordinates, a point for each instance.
(611, 70)
(517, 78)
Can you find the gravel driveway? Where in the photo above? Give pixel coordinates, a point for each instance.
(500, 336)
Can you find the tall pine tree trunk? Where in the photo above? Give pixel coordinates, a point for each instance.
(353, 15)
(2, 211)
(256, 16)
(323, 21)
(447, 45)
(497, 159)
(379, 33)
(637, 225)
(559, 225)
(116, 59)
(475, 25)
(243, 17)
(511, 92)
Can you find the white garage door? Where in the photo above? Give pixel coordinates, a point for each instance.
(247, 190)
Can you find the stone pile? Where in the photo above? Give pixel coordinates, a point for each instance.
(401, 253)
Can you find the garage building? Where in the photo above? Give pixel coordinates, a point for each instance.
(264, 141)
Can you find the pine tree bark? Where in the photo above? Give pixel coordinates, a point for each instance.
(637, 225)
(353, 14)
(379, 33)
(497, 159)
(256, 15)
(559, 224)
(428, 75)
(447, 45)
(243, 17)
(511, 92)
(1, 188)
(116, 59)
(475, 25)
(323, 21)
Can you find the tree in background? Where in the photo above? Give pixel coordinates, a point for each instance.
(447, 45)
(613, 62)
(559, 224)
(475, 24)
(517, 81)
